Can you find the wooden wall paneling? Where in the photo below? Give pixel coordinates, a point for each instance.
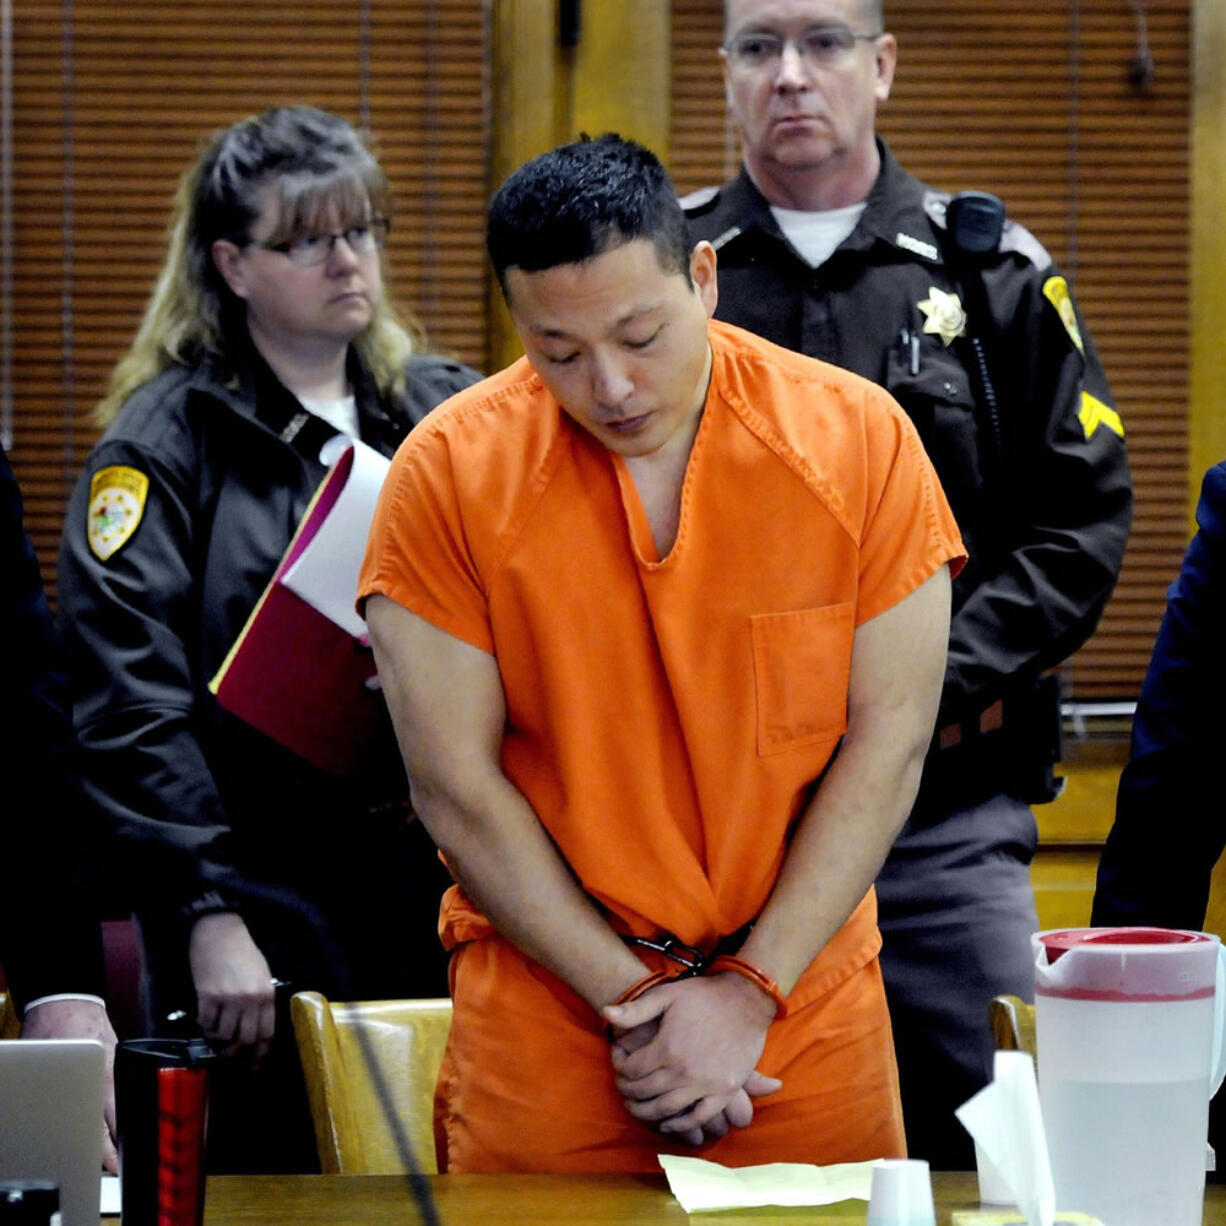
(1208, 261)
(703, 143)
(1215, 915)
(1207, 408)
(430, 118)
(615, 78)
(621, 72)
(1063, 880)
(529, 105)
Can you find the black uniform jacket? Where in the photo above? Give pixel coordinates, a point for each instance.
(231, 466)
(1169, 827)
(49, 936)
(1031, 457)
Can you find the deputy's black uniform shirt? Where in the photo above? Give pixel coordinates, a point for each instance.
(229, 463)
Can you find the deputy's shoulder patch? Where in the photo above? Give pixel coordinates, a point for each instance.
(1055, 290)
(1094, 413)
(117, 497)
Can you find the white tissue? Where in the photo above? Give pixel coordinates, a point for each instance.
(1005, 1120)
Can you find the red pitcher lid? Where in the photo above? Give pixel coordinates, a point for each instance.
(1127, 964)
(1057, 943)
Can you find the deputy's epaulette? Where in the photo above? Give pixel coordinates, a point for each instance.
(935, 204)
(696, 203)
(1014, 236)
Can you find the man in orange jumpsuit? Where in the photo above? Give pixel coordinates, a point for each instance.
(628, 598)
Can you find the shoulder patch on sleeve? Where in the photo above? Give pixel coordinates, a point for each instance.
(1056, 291)
(693, 201)
(117, 497)
(1093, 413)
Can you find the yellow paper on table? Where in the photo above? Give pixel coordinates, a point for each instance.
(701, 1185)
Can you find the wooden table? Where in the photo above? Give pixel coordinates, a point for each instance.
(525, 1200)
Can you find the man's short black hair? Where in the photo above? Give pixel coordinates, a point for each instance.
(581, 200)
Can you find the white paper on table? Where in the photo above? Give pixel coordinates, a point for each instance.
(699, 1185)
(1005, 1120)
(325, 573)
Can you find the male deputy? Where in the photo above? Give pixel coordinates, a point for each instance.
(826, 245)
(627, 597)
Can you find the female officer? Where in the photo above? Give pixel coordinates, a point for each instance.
(268, 338)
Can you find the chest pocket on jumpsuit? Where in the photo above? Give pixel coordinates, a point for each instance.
(802, 665)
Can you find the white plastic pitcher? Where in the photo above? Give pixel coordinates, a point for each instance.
(1129, 1054)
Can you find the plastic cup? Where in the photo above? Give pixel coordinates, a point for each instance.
(901, 1193)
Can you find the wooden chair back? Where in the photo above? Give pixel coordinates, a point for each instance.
(1012, 1021)
(407, 1038)
(10, 1027)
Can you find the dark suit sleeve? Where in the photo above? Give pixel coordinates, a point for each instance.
(49, 933)
(1169, 830)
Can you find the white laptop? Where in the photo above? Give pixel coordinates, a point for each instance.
(51, 1119)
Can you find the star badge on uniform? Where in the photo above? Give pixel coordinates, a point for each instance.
(116, 503)
(943, 315)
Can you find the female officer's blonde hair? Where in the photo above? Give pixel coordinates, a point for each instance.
(315, 163)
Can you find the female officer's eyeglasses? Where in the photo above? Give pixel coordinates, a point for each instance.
(308, 249)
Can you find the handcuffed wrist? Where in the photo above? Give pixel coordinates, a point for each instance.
(642, 986)
(759, 978)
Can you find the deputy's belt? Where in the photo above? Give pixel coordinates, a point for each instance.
(960, 731)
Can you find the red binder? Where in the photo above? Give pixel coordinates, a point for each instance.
(296, 672)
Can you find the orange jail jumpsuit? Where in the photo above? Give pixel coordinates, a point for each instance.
(666, 719)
